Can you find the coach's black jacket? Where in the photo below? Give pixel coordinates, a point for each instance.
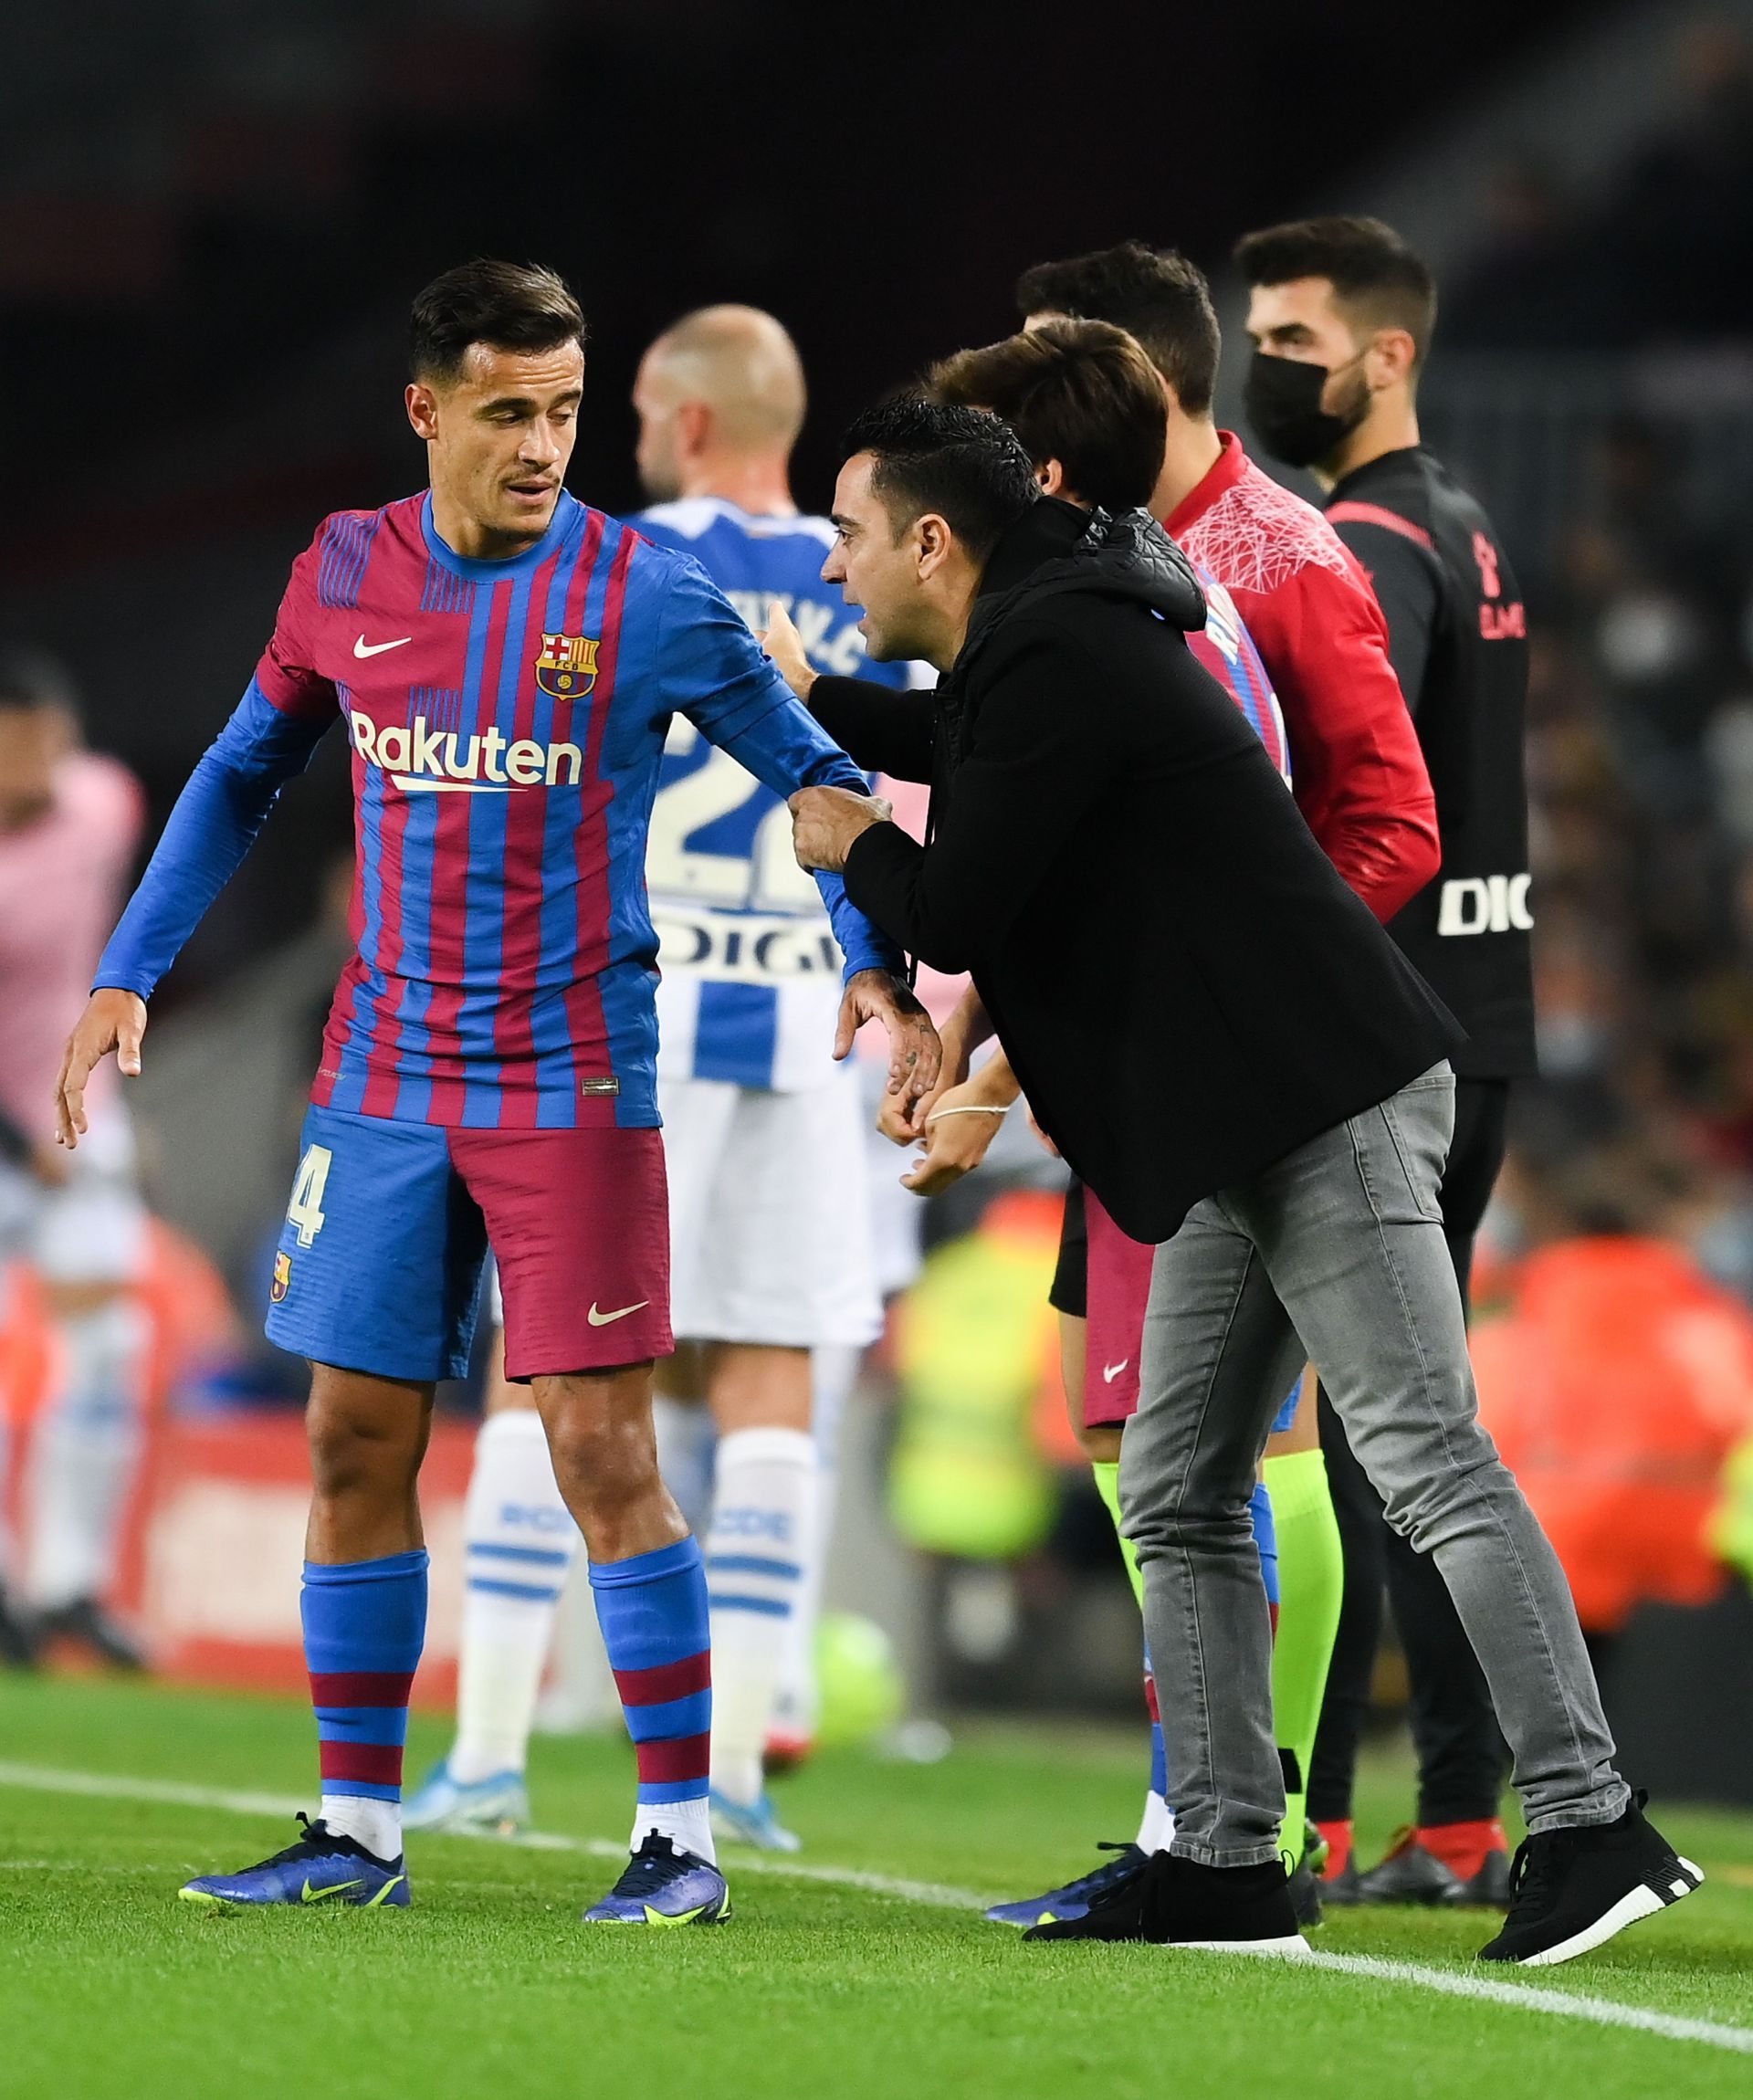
(1186, 988)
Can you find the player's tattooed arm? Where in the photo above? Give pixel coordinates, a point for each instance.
(114, 1020)
(963, 1033)
(915, 1054)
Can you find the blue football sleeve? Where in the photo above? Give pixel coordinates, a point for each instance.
(212, 827)
(716, 674)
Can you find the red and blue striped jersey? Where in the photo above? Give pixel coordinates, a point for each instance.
(1225, 648)
(507, 720)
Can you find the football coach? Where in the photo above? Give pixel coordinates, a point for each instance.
(1221, 1039)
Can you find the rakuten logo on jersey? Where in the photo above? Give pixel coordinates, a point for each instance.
(423, 761)
(1484, 904)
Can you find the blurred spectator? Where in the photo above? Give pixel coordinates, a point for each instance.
(1661, 251)
(1619, 1377)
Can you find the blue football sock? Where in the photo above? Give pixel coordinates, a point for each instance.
(652, 1611)
(365, 1626)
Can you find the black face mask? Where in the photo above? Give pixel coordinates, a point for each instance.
(1283, 399)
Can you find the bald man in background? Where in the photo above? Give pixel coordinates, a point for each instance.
(772, 1272)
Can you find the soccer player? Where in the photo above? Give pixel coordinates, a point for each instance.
(1360, 782)
(69, 823)
(507, 662)
(1340, 314)
(763, 1134)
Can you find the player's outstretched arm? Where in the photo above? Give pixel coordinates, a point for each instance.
(114, 1020)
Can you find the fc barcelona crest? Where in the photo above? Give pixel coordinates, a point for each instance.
(566, 668)
(282, 1277)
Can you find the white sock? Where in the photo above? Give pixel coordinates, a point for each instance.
(685, 1442)
(756, 1554)
(833, 1373)
(686, 1824)
(84, 1455)
(377, 1825)
(521, 1541)
(1156, 1825)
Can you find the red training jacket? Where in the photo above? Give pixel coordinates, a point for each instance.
(1357, 769)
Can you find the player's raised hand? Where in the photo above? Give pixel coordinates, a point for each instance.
(114, 1020)
(915, 1054)
(959, 1127)
(784, 644)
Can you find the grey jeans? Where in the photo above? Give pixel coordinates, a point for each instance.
(1335, 1253)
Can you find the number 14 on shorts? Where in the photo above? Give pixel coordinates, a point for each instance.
(305, 1211)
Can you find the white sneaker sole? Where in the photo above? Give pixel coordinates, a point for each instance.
(1642, 1902)
(1293, 1947)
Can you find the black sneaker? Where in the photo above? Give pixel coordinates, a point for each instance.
(1305, 1895)
(87, 1623)
(1572, 1890)
(1411, 1875)
(1489, 1888)
(1176, 1902)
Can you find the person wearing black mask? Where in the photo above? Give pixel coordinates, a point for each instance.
(1113, 859)
(1341, 315)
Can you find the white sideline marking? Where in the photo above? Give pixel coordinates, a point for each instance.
(1452, 1983)
(1604, 2011)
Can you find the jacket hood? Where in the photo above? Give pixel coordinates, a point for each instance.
(1056, 548)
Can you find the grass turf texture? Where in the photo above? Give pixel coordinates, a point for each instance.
(109, 1990)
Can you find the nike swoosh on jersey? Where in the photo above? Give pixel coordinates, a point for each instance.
(1110, 1371)
(334, 1888)
(362, 648)
(606, 1319)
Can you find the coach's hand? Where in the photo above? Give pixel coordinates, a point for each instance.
(784, 644)
(114, 1020)
(914, 1052)
(827, 821)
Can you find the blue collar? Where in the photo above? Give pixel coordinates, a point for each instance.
(569, 513)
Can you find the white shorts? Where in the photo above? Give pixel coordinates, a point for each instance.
(91, 1229)
(770, 1214)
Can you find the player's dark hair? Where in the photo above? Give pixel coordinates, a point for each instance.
(1080, 392)
(1376, 280)
(508, 306)
(32, 678)
(960, 463)
(1154, 294)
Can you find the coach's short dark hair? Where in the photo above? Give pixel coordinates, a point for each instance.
(1154, 294)
(961, 463)
(509, 306)
(1080, 392)
(1378, 281)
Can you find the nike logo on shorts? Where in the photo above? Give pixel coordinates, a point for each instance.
(606, 1319)
(1110, 1371)
(364, 648)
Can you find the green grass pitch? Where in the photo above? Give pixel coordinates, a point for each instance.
(820, 1989)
